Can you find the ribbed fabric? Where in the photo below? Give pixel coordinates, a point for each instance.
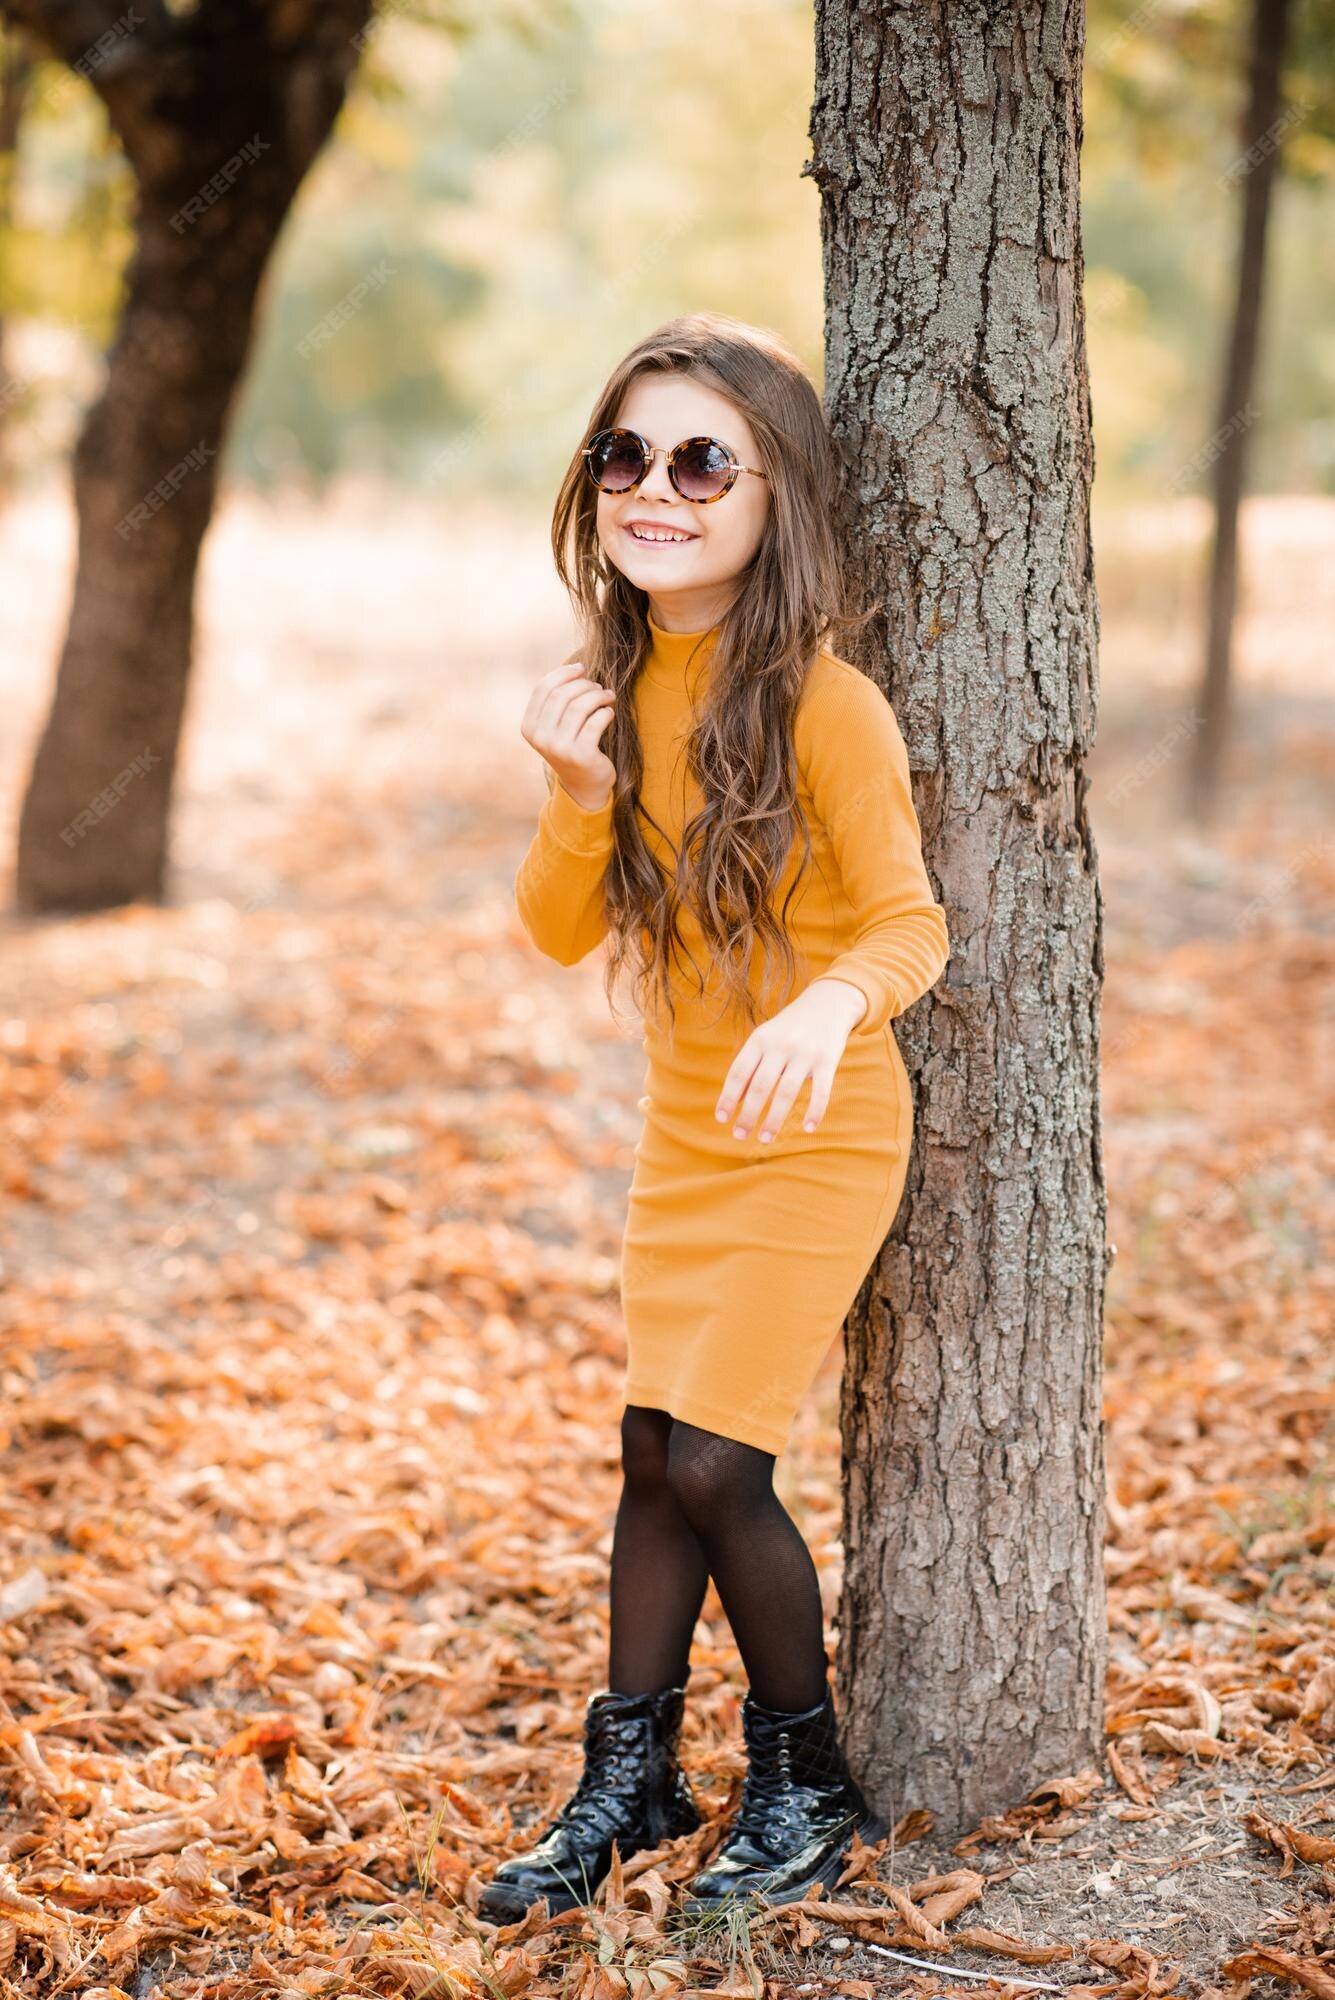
(741, 1258)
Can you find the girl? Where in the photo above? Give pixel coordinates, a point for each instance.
(724, 789)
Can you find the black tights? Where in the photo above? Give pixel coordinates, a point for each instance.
(695, 1505)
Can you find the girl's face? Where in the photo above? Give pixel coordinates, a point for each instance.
(691, 577)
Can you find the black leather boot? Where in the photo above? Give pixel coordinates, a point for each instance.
(632, 1789)
(799, 1809)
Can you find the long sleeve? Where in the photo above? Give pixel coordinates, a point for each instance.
(856, 765)
(559, 886)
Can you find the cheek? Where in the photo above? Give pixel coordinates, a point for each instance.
(747, 526)
(603, 521)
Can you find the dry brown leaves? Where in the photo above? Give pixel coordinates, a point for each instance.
(311, 1369)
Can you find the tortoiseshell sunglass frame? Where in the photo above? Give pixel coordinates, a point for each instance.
(650, 452)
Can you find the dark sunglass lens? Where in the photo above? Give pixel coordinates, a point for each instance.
(616, 461)
(703, 470)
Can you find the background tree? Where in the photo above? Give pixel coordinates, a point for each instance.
(220, 110)
(946, 148)
(1254, 174)
(1164, 86)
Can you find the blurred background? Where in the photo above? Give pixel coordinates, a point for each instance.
(538, 186)
(513, 195)
(510, 197)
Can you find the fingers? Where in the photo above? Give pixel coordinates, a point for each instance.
(754, 1085)
(570, 703)
(589, 731)
(755, 1073)
(822, 1081)
(562, 703)
(740, 1071)
(756, 1096)
(583, 719)
(560, 682)
(791, 1078)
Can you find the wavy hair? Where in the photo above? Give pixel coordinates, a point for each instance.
(740, 750)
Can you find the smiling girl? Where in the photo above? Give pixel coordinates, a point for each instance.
(730, 808)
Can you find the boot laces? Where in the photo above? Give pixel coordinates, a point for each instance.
(771, 1795)
(611, 1778)
(768, 1792)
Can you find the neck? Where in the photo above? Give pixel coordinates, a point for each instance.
(690, 610)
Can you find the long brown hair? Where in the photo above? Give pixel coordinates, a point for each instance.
(789, 598)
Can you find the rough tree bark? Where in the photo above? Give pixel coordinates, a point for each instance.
(1257, 169)
(945, 143)
(220, 110)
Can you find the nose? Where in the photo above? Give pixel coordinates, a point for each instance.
(656, 485)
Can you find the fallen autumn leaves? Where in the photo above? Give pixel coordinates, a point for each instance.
(310, 1380)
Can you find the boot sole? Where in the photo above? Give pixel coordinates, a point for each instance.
(501, 1904)
(870, 1831)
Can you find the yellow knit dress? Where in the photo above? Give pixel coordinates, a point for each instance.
(741, 1258)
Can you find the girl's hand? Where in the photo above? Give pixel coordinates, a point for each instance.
(565, 716)
(804, 1039)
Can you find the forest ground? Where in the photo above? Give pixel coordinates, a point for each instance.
(313, 1185)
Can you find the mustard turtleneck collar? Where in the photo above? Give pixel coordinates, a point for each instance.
(678, 657)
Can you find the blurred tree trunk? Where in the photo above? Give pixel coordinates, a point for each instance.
(16, 67)
(1256, 169)
(221, 111)
(946, 147)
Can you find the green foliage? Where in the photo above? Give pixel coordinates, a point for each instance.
(579, 182)
(71, 201)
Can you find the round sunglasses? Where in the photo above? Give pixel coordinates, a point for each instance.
(700, 468)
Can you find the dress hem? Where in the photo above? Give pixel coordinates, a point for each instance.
(726, 1423)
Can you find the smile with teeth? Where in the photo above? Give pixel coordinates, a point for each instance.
(644, 534)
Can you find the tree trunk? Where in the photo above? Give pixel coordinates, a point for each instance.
(946, 147)
(1256, 168)
(219, 125)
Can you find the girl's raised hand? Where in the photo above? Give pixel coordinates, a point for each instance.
(804, 1039)
(565, 716)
